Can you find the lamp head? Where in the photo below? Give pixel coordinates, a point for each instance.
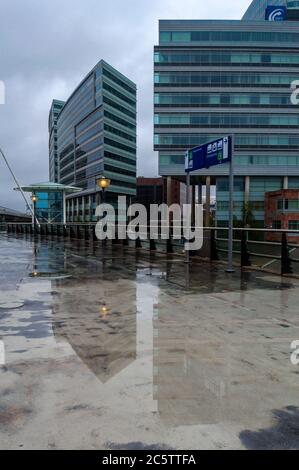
(103, 183)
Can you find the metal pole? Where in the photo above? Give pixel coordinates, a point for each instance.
(34, 218)
(230, 268)
(17, 183)
(187, 260)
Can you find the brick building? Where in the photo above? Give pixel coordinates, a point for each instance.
(154, 191)
(282, 212)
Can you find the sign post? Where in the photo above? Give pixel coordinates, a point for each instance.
(187, 260)
(230, 268)
(212, 154)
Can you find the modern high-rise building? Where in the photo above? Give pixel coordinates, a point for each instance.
(256, 10)
(216, 78)
(55, 109)
(96, 136)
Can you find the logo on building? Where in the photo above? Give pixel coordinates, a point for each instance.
(274, 13)
(295, 92)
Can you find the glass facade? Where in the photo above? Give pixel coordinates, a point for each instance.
(49, 207)
(96, 137)
(53, 149)
(214, 78)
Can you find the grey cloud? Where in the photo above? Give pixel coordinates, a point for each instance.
(48, 46)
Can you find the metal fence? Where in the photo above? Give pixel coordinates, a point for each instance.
(251, 246)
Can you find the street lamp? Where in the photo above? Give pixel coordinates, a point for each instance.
(34, 199)
(104, 184)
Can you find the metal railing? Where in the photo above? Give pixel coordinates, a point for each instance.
(251, 246)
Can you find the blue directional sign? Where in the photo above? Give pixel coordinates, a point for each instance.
(211, 154)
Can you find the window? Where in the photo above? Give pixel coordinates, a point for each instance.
(228, 36)
(293, 224)
(276, 224)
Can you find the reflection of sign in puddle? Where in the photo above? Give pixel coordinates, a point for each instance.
(54, 276)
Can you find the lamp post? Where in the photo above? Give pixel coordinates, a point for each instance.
(104, 184)
(34, 199)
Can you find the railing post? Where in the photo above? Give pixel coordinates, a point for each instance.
(245, 256)
(213, 246)
(169, 247)
(286, 263)
(138, 243)
(152, 245)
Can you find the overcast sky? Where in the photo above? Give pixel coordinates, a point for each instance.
(48, 46)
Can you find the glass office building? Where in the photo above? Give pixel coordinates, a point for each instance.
(256, 10)
(96, 136)
(53, 150)
(215, 78)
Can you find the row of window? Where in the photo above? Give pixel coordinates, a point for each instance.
(227, 120)
(96, 129)
(228, 36)
(88, 159)
(239, 205)
(288, 204)
(120, 121)
(79, 92)
(224, 99)
(292, 225)
(88, 121)
(118, 81)
(76, 109)
(89, 146)
(120, 171)
(226, 57)
(119, 95)
(219, 78)
(117, 106)
(119, 158)
(120, 146)
(65, 129)
(120, 133)
(96, 169)
(241, 160)
(242, 140)
(258, 186)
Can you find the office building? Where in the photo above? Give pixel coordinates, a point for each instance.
(96, 136)
(257, 9)
(216, 78)
(55, 109)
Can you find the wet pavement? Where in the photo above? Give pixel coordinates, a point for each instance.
(109, 348)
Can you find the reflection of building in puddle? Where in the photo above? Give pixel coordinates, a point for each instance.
(98, 319)
(213, 364)
(49, 261)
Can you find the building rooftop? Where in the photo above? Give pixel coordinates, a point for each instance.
(12, 212)
(49, 186)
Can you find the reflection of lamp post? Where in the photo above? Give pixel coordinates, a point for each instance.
(104, 184)
(34, 199)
